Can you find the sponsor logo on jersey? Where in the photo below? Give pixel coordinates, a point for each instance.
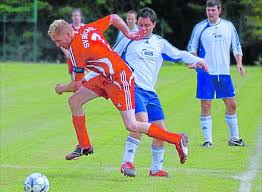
(148, 53)
(217, 36)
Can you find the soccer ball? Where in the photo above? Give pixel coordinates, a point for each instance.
(36, 182)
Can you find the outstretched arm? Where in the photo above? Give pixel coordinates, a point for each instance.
(117, 22)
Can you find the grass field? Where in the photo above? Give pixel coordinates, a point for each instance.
(36, 133)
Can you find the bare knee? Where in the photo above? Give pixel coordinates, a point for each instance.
(205, 108)
(231, 107)
(73, 102)
(132, 126)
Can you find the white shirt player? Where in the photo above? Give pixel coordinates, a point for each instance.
(213, 42)
(146, 56)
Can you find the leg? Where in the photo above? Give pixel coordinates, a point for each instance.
(206, 85)
(132, 142)
(123, 99)
(231, 119)
(158, 152)
(79, 98)
(226, 91)
(76, 101)
(206, 122)
(154, 131)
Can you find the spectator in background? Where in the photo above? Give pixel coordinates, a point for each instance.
(131, 20)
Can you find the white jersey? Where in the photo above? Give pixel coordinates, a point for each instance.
(146, 56)
(213, 42)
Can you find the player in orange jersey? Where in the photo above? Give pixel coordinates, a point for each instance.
(89, 49)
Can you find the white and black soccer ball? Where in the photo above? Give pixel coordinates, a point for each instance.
(36, 182)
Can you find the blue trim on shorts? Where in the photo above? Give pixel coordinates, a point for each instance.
(148, 101)
(214, 86)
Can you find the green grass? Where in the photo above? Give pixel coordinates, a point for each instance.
(36, 132)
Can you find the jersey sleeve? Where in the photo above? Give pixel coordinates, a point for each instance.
(102, 24)
(120, 46)
(78, 61)
(193, 43)
(236, 46)
(171, 53)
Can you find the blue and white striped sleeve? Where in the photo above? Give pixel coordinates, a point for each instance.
(193, 43)
(236, 46)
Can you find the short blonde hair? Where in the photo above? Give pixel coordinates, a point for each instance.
(59, 26)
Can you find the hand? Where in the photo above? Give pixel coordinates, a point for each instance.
(59, 89)
(241, 70)
(200, 64)
(137, 35)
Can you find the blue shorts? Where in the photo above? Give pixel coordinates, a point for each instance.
(210, 85)
(147, 101)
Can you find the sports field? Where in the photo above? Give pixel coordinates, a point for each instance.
(36, 134)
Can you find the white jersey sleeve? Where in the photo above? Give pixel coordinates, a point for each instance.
(236, 47)
(193, 43)
(171, 53)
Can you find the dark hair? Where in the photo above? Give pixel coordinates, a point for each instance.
(147, 13)
(213, 3)
(132, 12)
(77, 10)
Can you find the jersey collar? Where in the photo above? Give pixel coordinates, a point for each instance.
(213, 24)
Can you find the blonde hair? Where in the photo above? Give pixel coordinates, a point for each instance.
(59, 26)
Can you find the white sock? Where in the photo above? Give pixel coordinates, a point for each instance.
(130, 149)
(157, 158)
(206, 125)
(233, 126)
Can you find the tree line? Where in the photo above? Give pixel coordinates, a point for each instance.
(176, 19)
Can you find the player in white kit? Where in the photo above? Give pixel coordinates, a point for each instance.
(145, 57)
(212, 39)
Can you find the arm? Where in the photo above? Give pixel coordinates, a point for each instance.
(70, 87)
(117, 22)
(237, 51)
(240, 67)
(173, 54)
(193, 43)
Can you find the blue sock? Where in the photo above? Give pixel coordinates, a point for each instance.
(130, 149)
(206, 125)
(157, 158)
(233, 126)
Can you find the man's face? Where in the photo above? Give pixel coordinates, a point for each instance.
(131, 20)
(76, 18)
(147, 24)
(62, 40)
(213, 13)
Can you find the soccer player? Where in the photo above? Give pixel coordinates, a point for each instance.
(211, 39)
(89, 49)
(131, 20)
(145, 57)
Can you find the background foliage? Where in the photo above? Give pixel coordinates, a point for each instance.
(176, 19)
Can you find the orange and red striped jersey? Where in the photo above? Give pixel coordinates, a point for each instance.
(89, 49)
